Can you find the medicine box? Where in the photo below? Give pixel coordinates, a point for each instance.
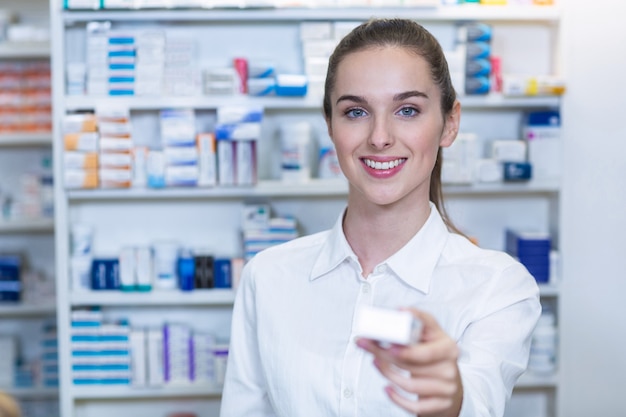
(542, 131)
(10, 274)
(388, 325)
(532, 249)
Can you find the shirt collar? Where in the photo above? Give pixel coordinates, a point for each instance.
(334, 251)
(416, 271)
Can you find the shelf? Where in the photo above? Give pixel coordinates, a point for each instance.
(27, 226)
(313, 188)
(547, 290)
(76, 103)
(548, 14)
(529, 381)
(26, 310)
(212, 297)
(26, 139)
(34, 392)
(24, 50)
(130, 392)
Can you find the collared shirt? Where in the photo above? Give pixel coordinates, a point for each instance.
(293, 350)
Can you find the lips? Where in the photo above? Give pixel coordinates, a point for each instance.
(383, 165)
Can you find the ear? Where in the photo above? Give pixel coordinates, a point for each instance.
(451, 126)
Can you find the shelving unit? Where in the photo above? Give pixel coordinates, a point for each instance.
(26, 139)
(21, 152)
(77, 103)
(11, 50)
(210, 216)
(27, 310)
(33, 393)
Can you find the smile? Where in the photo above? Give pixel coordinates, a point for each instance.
(384, 165)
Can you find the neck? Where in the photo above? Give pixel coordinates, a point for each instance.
(376, 232)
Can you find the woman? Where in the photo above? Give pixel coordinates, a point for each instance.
(8, 406)
(390, 108)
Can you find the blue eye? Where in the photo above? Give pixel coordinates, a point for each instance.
(355, 113)
(408, 111)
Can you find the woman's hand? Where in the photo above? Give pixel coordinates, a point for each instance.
(427, 368)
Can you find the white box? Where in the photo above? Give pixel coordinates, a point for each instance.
(226, 162)
(316, 30)
(508, 150)
(155, 356)
(387, 325)
(245, 166)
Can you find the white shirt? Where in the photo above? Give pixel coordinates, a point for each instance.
(292, 350)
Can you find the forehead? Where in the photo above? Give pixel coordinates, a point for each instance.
(389, 67)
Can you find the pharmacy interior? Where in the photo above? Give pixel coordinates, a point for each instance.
(150, 148)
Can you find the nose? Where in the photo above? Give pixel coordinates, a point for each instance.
(381, 136)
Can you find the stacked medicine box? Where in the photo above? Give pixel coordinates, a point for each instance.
(100, 352)
(80, 157)
(474, 40)
(49, 356)
(111, 61)
(237, 131)
(260, 231)
(532, 249)
(178, 142)
(318, 42)
(115, 160)
(542, 132)
(176, 354)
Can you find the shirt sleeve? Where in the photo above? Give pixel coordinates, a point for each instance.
(496, 344)
(245, 393)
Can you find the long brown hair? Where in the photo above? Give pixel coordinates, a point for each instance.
(410, 35)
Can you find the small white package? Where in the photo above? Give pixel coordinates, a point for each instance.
(388, 326)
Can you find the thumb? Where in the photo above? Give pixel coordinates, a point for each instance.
(430, 327)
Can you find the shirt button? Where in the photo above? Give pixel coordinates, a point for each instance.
(347, 393)
(365, 288)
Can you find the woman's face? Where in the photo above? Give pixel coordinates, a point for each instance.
(387, 124)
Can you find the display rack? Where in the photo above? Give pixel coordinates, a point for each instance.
(23, 319)
(138, 213)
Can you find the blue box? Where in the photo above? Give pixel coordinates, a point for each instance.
(10, 274)
(477, 85)
(105, 274)
(517, 171)
(477, 50)
(478, 67)
(532, 249)
(222, 273)
(525, 242)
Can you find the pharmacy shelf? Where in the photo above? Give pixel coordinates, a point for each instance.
(532, 381)
(77, 103)
(9, 50)
(27, 226)
(32, 392)
(131, 392)
(313, 188)
(26, 139)
(27, 310)
(548, 290)
(548, 14)
(212, 297)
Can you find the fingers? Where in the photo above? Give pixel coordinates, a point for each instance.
(417, 355)
(427, 368)
(425, 405)
(425, 386)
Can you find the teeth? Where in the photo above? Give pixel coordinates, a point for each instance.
(384, 165)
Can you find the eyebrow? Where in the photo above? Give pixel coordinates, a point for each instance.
(397, 97)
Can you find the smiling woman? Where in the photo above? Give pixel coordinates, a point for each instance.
(390, 108)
